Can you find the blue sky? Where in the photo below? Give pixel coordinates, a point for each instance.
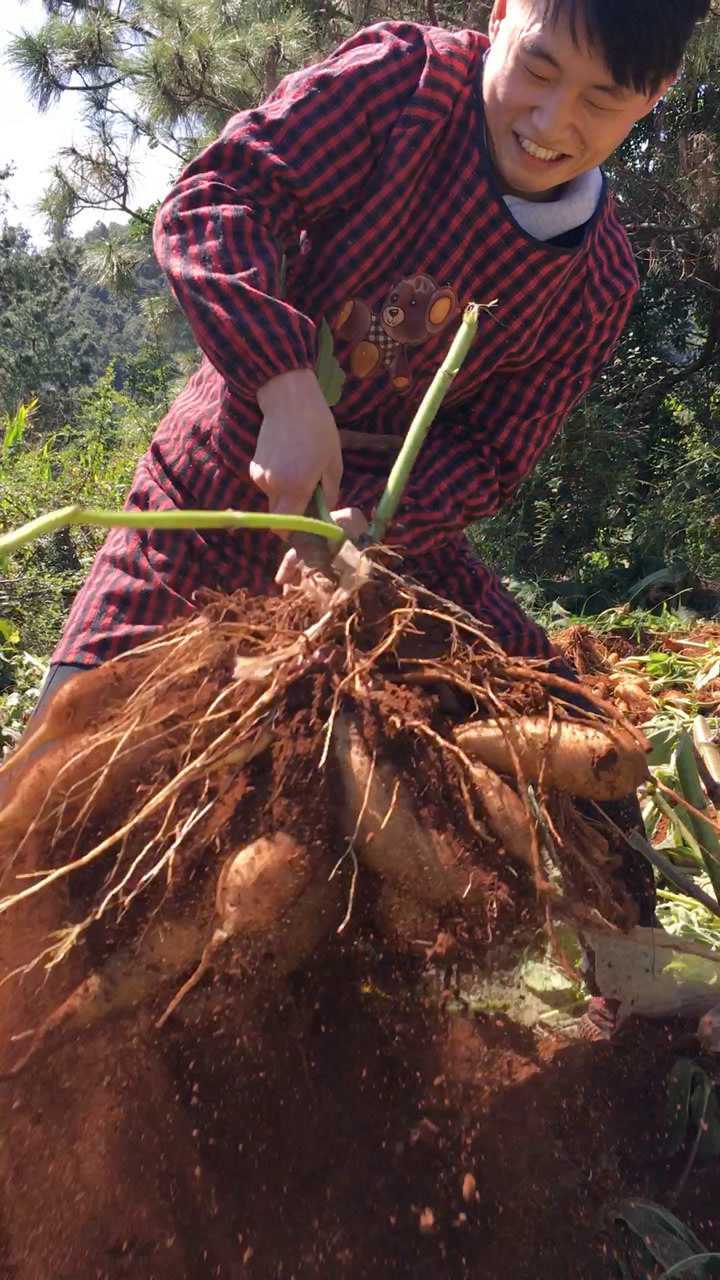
(30, 140)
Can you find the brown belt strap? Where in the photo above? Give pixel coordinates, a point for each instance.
(373, 443)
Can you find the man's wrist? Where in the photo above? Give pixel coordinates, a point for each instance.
(289, 392)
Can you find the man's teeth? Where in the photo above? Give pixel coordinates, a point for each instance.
(540, 153)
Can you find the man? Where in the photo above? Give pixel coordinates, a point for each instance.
(412, 171)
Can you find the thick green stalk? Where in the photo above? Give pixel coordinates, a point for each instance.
(688, 835)
(68, 516)
(423, 420)
(667, 868)
(324, 528)
(322, 507)
(693, 791)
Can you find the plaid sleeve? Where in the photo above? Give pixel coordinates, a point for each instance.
(473, 468)
(221, 233)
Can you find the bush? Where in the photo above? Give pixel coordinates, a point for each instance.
(90, 463)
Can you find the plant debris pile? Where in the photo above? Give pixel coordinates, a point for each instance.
(263, 776)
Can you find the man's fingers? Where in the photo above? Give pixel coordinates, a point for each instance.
(259, 476)
(288, 574)
(331, 479)
(288, 502)
(352, 520)
(286, 497)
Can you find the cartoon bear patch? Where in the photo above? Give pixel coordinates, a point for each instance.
(413, 311)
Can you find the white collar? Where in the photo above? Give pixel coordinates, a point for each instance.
(544, 220)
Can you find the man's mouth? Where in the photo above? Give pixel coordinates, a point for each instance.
(539, 153)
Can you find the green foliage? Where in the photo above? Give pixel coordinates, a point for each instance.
(16, 425)
(657, 505)
(683, 917)
(112, 261)
(21, 677)
(328, 371)
(91, 462)
(692, 1111)
(649, 1241)
(61, 324)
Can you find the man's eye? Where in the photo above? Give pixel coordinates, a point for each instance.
(535, 74)
(596, 106)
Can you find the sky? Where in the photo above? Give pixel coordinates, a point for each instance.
(30, 140)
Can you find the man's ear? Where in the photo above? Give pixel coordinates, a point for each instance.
(660, 93)
(499, 12)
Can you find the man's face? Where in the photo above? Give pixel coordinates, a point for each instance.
(552, 109)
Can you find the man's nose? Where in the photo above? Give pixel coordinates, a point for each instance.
(551, 117)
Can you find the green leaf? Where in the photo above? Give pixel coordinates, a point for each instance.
(691, 1101)
(669, 576)
(550, 984)
(327, 370)
(646, 1236)
(16, 425)
(702, 1266)
(9, 633)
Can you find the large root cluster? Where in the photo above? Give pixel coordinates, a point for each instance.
(264, 776)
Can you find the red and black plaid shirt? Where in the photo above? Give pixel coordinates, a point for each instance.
(364, 171)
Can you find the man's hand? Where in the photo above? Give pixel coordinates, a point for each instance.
(298, 446)
(309, 554)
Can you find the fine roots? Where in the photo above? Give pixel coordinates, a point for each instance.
(275, 771)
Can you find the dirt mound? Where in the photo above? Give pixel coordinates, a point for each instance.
(357, 1131)
(584, 650)
(273, 785)
(600, 660)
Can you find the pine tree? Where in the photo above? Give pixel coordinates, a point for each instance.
(172, 72)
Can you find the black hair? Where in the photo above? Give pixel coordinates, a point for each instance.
(642, 41)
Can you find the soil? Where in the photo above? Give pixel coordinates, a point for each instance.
(362, 1131)
(350, 1126)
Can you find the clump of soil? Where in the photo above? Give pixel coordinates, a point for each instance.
(283, 787)
(356, 1130)
(388, 1138)
(584, 650)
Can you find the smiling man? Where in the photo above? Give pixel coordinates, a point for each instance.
(565, 81)
(411, 171)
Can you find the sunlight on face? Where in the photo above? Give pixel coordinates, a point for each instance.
(552, 109)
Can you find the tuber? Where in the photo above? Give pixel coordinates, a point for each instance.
(580, 759)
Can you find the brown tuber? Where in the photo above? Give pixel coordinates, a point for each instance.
(579, 759)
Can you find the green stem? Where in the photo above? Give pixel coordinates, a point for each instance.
(690, 848)
(322, 507)
(672, 895)
(323, 528)
(688, 1266)
(68, 516)
(670, 872)
(423, 420)
(690, 839)
(693, 791)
